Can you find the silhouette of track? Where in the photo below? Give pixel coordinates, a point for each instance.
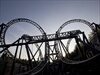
(35, 70)
(68, 61)
(59, 47)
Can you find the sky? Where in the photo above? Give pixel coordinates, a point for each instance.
(49, 14)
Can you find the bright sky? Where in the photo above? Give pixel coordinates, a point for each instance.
(49, 14)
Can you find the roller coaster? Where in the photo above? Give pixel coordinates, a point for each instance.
(47, 58)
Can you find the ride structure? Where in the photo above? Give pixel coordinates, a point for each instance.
(51, 54)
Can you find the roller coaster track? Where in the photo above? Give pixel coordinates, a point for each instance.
(46, 38)
(5, 27)
(67, 61)
(36, 69)
(40, 38)
(93, 27)
(37, 39)
(33, 71)
(50, 37)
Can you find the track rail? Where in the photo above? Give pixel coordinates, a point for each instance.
(35, 70)
(45, 39)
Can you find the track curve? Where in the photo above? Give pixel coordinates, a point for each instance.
(10, 23)
(36, 69)
(92, 27)
(22, 20)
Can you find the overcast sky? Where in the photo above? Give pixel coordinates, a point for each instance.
(49, 14)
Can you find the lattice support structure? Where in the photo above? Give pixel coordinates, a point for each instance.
(55, 56)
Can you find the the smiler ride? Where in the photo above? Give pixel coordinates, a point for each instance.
(50, 50)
